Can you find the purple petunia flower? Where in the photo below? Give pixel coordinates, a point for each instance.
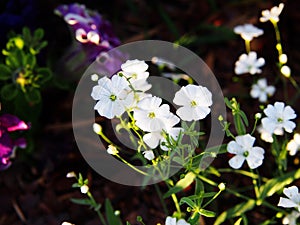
(94, 38)
(10, 123)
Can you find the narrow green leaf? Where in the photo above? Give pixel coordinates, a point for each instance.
(81, 201)
(26, 34)
(9, 92)
(238, 222)
(38, 34)
(276, 184)
(207, 213)
(110, 214)
(5, 72)
(181, 184)
(235, 211)
(44, 74)
(30, 60)
(188, 201)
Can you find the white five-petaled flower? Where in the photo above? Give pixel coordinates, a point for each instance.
(261, 90)
(294, 145)
(195, 101)
(291, 219)
(249, 63)
(243, 149)
(248, 31)
(272, 15)
(278, 118)
(293, 200)
(173, 221)
(112, 95)
(135, 71)
(148, 154)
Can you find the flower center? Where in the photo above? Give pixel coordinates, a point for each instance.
(193, 103)
(113, 97)
(246, 153)
(279, 120)
(151, 115)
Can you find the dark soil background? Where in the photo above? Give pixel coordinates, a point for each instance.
(35, 190)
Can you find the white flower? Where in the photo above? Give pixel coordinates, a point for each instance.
(293, 199)
(84, 37)
(265, 135)
(112, 150)
(195, 101)
(243, 149)
(135, 71)
(84, 189)
(278, 118)
(249, 64)
(163, 62)
(149, 154)
(151, 116)
(291, 219)
(272, 15)
(94, 77)
(261, 90)
(248, 31)
(294, 145)
(112, 95)
(172, 221)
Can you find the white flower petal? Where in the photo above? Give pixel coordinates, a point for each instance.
(236, 161)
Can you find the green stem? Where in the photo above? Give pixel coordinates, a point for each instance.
(132, 166)
(243, 172)
(256, 188)
(161, 199)
(247, 44)
(175, 200)
(94, 205)
(278, 39)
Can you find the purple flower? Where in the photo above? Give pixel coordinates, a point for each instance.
(94, 39)
(10, 123)
(88, 26)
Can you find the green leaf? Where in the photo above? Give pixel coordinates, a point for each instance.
(44, 75)
(127, 223)
(181, 184)
(9, 92)
(81, 201)
(30, 60)
(188, 201)
(33, 96)
(238, 222)
(38, 34)
(5, 72)
(276, 184)
(12, 61)
(235, 211)
(26, 34)
(207, 213)
(110, 214)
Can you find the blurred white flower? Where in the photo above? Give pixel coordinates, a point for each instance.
(261, 90)
(249, 63)
(67, 223)
(112, 95)
(265, 135)
(94, 77)
(173, 221)
(291, 219)
(243, 149)
(84, 189)
(195, 101)
(293, 200)
(278, 118)
(163, 62)
(71, 174)
(294, 145)
(272, 15)
(112, 150)
(248, 31)
(134, 66)
(149, 155)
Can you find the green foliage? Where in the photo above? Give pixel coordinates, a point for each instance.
(20, 72)
(111, 217)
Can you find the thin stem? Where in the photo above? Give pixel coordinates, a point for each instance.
(176, 203)
(243, 172)
(247, 44)
(213, 198)
(132, 166)
(105, 138)
(278, 39)
(256, 188)
(161, 199)
(95, 204)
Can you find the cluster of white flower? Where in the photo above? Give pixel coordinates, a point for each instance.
(126, 92)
